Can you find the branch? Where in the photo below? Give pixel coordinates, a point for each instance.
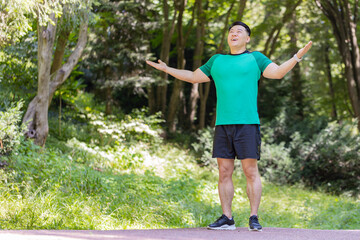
(221, 45)
(356, 6)
(240, 13)
(191, 24)
(63, 73)
(62, 40)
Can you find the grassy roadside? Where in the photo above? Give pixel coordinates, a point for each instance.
(72, 185)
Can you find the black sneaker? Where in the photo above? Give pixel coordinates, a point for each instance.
(223, 223)
(254, 224)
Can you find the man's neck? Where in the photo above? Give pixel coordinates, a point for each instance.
(238, 50)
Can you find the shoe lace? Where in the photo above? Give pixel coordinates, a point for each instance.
(254, 219)
(222, 216)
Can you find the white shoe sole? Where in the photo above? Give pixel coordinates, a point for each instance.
(224, 227)
(255, 230)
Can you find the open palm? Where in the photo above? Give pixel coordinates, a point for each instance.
(160, 66)
(304, 50)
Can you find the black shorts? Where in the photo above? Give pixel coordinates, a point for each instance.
(238, 140)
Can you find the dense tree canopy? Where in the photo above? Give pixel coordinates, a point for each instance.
(74, 72)
(184, 34)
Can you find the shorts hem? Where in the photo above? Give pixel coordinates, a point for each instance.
(227, 157)
(236, 157)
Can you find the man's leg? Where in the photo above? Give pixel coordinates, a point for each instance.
(253, 185)
(226, 187)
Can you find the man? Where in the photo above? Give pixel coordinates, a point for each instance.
(237, 132)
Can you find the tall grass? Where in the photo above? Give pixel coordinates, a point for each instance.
(142, 182)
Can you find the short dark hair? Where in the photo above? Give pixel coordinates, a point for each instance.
(241, 24)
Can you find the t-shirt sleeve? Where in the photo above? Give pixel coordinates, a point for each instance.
(206, 68)
(261, 60)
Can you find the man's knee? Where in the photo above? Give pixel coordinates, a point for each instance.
(251, 173)
(225, 171)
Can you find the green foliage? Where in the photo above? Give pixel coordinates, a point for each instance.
(74, 185)
(17, 15)
(18, 66)
(10, 129)
(118, 46)
(116, 172)
(203, 147)
(326, 157)
(276, 165)
(331, 159)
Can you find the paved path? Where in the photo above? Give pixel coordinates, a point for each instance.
(182, 234)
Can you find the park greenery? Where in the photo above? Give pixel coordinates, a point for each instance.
(92, 138)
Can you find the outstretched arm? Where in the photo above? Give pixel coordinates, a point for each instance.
(275, 71)
(185, 75)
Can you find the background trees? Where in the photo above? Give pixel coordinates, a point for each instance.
(50, 30)
(343, 16)
(185, 34)
(116, 126)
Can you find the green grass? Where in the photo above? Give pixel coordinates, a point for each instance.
(140, 184)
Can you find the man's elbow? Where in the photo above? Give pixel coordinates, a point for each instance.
(274, 76)
(193, 80)
(280, 76)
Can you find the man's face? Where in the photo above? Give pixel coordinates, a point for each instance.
(238, 36)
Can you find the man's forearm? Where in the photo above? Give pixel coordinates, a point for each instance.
(286, 67)
(290, 64)
(184, 75)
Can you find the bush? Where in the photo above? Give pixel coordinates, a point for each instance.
(91, 126)
(276, 164)
(10, 131)
(331, 159)
(203, 147)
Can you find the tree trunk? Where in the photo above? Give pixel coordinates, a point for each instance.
(204, 90)
(240, 13)
(344, 22)
(62, 40)
(151, 99)
(178, 85)
(168, 31)
(199, 50)
(225, 29)
(270, 44)
(39, 123)
(296, 81)
(36, 115)
(65, 70)
(330, 81)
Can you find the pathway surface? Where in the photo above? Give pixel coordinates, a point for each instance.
(182, 234)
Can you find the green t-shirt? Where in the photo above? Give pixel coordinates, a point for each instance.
(236, 80)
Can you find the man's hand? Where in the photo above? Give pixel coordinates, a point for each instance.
(304, 50)
(160, 66)
(274, 71)
(185, 75)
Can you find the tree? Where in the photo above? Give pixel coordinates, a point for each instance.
(168, 31)
(297, 84)
(198, 90)
(178, 85)
(343, 16)
(16, 17)
(113, 61)
(36, 116)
